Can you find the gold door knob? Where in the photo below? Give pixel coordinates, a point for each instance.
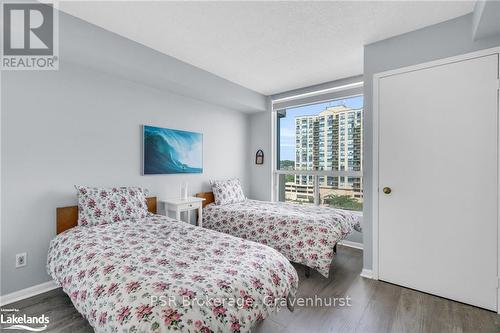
(387, 190)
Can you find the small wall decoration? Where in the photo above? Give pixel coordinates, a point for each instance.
(170, 151)
(259, 157)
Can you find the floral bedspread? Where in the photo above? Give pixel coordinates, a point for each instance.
(305, 234)
(160, 275)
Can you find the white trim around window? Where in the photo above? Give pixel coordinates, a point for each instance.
(339, 91)
(331, 173)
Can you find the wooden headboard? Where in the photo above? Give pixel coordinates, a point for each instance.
(67, 217)
(209, 197)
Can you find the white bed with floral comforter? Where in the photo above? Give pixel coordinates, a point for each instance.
(149, 275)
(305, 234)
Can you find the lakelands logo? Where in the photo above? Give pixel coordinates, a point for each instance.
(30, 38)
(10, 319)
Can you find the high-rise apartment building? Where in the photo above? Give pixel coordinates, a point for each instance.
(331, 140)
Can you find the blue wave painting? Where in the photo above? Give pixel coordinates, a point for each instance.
(169, 151)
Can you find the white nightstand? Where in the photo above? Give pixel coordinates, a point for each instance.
(179, 205)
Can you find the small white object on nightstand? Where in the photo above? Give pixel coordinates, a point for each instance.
(178, 205)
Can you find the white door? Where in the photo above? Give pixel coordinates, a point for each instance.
(438, 153)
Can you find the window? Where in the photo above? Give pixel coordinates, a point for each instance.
(319, 153)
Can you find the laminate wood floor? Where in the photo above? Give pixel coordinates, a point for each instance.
(375, 307)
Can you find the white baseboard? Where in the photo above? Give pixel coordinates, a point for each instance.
(367, 273)
(28, 292)
(354, 245)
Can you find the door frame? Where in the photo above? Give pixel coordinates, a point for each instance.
(375, 146)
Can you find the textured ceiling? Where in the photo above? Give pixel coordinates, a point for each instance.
(269, 47)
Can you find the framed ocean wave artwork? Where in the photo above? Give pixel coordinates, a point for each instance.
(171, 151)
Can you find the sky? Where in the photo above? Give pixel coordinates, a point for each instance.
(287, 124)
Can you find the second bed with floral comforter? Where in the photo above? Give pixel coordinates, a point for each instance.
(160, 275)
(305, 234)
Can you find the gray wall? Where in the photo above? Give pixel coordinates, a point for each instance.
(486, 19)
(93, 47)
(78, 126)
(82, 125)
(442, 40)
(260, 138)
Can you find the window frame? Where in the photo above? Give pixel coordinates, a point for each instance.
(321, 96)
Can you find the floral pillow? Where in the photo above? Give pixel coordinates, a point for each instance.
(97, 205)
(227, 191)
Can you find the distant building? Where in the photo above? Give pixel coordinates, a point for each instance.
(331, 140)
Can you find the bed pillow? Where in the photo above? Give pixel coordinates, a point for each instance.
(227, 191)
(97, 205)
